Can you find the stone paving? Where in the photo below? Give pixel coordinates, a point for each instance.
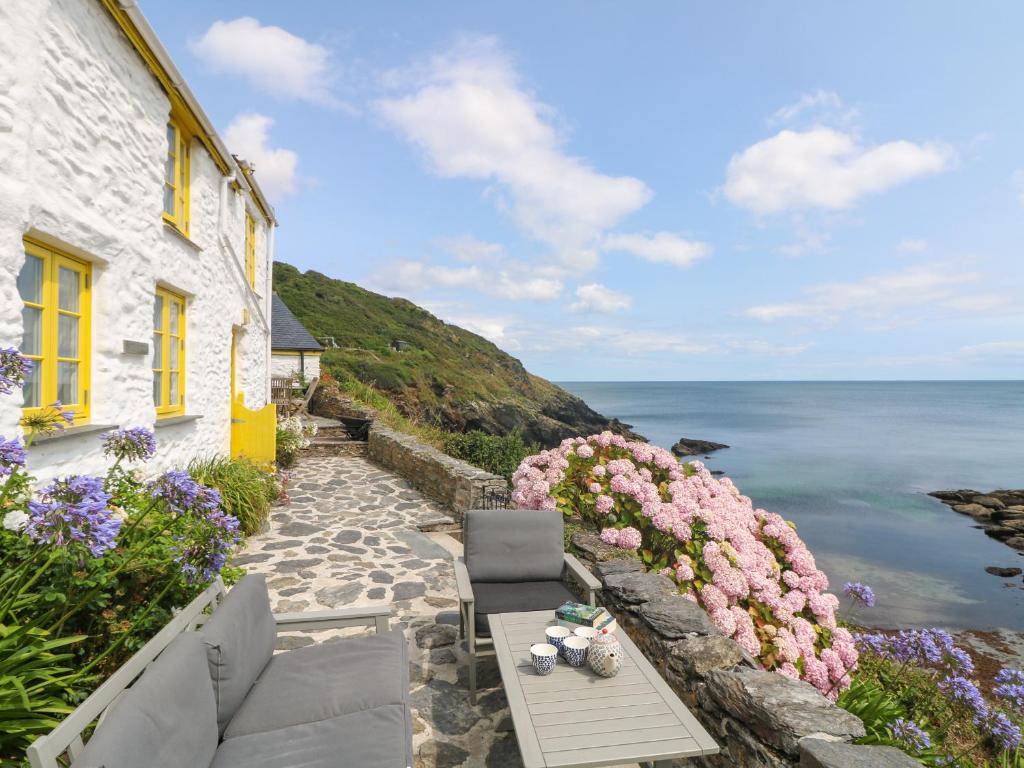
(350, 535)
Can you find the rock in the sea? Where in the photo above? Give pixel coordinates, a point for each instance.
(689, 447)
(988, 501)
(1006, 573)
(974, 510)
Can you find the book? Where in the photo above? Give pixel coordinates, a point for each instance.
(584, 615)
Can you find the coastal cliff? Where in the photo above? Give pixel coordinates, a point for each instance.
(434, 372)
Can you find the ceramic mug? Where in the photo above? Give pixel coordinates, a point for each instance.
(544, 656)
(556, 635)
(587, 633)
(574, 649)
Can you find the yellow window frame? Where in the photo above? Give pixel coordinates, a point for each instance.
(177, 172)
(168, 305)
(250, 249)
(50, 356)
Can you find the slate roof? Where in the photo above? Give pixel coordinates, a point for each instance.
(286, 332)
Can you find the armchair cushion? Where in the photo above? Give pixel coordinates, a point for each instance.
(324, 681)
(240, 638)
(513, 545)
(167, 719)
(505, 597)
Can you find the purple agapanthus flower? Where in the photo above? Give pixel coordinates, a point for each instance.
(962, 691)
(923, 647)
(14, 367)
(67, 416)
(860, 593)
(1004, 732)
(12, 454)
(74, 509)
(177, 488)
(134, 444)
(1010, 686)
(209, 544)
(910, 735)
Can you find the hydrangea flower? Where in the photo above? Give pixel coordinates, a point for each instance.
(860, 593)
(610, 536)
(15, 521)
(134, 444)
(740, 552)
(12, 454)
(911, 736)
(14, 367)
(74, 509)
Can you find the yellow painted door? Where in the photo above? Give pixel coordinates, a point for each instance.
(253, 432)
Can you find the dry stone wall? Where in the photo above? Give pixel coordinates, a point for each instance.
(452, 482)
(760, 719)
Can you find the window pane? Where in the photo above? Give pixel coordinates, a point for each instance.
(172, 397)
(30, 280)
(157, 384)
(69, 281)
(172, 139)
(175, 310)
(32, 335)
(158, 313)
(67, 382)
(33, 395)
(158, 350)
(169, 170)
(172, 355)
(168, 200)
(67, 336)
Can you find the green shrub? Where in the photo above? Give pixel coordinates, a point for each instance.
(246, 489)
(292, 436)
(500, 454)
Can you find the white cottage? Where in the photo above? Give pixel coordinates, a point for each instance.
(135, 250)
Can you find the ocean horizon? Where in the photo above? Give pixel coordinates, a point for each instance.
(851, 462)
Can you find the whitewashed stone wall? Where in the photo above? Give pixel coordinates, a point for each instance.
(288, 365)
(82, 145)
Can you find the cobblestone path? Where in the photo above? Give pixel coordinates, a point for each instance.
(350, 536)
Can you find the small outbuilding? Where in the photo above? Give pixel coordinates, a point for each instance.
(294, 351)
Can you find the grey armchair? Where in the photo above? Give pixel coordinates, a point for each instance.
(514, 561)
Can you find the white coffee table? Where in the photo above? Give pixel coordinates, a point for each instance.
(574, 718)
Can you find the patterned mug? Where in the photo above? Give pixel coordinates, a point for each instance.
(575, 649)
(556, 635)
(544, 656)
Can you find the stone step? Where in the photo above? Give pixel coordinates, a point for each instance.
(336, 448)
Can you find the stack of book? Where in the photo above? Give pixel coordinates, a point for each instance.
(583, 615)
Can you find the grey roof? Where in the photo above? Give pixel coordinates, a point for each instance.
(286, 332)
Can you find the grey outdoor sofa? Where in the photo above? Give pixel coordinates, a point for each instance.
(514, 561)
(220, 698)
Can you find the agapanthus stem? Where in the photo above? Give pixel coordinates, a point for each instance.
(11, 600)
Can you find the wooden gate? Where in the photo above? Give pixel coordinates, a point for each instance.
(253, 433)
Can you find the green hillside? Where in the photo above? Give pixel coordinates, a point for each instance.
(449, 377)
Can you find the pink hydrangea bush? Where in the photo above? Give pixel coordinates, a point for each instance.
(746, 567)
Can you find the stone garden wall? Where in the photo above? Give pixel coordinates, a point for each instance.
(759, 718)
(452, 482)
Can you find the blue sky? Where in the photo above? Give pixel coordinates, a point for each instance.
(687, 191)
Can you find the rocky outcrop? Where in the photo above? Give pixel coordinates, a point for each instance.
(1000, 513)
(686, 446)
(759, 719)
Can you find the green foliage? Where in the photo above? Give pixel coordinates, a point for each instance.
(388, 413)
(292, 436)
(37, 680)
(246, 489)
(500, 454)
(868, 700)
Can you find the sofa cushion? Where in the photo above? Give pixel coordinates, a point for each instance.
(513, 544)
(240, 638)
(320, 682)
(168, 719)
(499, 597)
(373, 738)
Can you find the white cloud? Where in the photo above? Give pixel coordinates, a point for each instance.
(510, 282)
(473, 250)
(912, 245)
(274, 168)
(661, 247)
(820, 100)
(994, 349)
(595, 297)
(270, 58)
(761, 347)
(468, 112)
(824, 168)
(884, 296)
